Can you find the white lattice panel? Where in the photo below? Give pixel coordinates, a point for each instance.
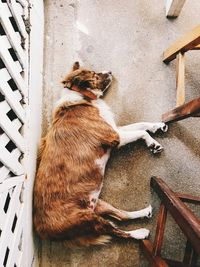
(13, 90)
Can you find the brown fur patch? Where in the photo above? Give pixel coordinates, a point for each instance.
(67, 174)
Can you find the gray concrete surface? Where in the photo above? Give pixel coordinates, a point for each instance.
(128, 38)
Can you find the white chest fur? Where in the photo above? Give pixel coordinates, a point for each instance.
(105, 112)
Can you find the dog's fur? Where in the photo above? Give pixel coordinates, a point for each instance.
(72, 159)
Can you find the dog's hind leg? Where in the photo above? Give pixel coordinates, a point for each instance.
(100, 226)
(92, 229)
(127, 137)
(103, 208)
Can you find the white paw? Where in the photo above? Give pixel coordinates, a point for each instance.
(148, 212)
(155, 147)
(139, 233)
(160, 126)
(164, 127)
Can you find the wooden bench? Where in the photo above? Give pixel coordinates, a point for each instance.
(189, 224)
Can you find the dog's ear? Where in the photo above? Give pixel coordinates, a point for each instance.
(76, 66)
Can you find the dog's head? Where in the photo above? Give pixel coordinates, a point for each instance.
(89, 83)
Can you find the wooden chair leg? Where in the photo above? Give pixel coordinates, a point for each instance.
(180, 79)
(183, 216)
(155, 261)
(187, 110)
(173, 8)
(188, 198)
(190, 257)
(158, 241)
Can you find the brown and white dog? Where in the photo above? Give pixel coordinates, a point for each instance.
(72, 161)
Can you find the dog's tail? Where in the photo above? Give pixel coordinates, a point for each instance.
(87, 241)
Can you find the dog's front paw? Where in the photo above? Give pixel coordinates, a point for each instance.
(164, 127)
(160, 126)
(156, 148)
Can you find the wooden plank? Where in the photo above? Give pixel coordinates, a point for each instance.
(187, 110)
(184, 217)
(188, 254)
(185, 43)
(173, 263)
(155, 261)
(3, 173)
(17, 13)
(10, 33)
(158, 241)
(11, 182)
(15, 254)
(174, 7)
(10, 65)
(14, 251)
(3, 197)
(188, 198)
(10, 160)
(7, 235)
(11, 127)
(196, 47)
(180, 79)
(12, 97)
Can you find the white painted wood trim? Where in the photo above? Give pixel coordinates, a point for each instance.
(3, 173)
(15, 9)
(10, 160)
(11, 182)
(7, 235)
(11, 34)
(33, 125)
(12, 97)
(173, 7)
(11, 127)
(8, 61)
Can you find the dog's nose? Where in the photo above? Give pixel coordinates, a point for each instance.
(110, 72)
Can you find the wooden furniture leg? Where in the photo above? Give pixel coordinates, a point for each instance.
(158, 241)
(180, 79)
(190, 41)
(173, 8)
(184, 217)
(189, 109)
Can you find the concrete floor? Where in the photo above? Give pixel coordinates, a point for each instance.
(128, 38)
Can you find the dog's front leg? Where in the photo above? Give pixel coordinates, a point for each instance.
(132, 136)
(145, 126)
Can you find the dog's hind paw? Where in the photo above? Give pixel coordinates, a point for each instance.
(139, 234)
(148, 212)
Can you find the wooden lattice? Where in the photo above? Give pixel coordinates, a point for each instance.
(13, 88)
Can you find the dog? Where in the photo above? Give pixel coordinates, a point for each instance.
(72, 160)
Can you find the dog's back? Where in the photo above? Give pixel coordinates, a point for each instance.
(68, 174)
